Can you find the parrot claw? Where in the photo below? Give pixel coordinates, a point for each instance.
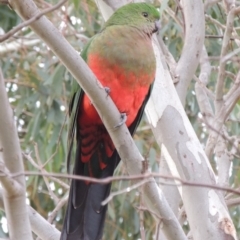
(107, 90)
(123, 118)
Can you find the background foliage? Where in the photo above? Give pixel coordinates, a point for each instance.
(39, 88)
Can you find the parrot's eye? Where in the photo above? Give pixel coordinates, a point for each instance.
(145, 14)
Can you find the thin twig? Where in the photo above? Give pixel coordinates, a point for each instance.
(141, 218)
(145, 176)
(52, 194)
(31, 20)
(30, 159)
(125, 190)
(221, 74)
(141, 208)
(59, 205)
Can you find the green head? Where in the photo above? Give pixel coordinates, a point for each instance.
(142, 16)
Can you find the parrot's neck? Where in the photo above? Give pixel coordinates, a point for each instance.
(128, 48)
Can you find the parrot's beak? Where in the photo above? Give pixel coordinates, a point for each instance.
(157, 26)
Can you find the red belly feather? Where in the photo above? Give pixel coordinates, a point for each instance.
(127, 90)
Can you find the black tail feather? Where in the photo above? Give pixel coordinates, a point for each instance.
(84, 219)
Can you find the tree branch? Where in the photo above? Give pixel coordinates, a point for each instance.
(105, 107)
(221, 112)
(188, 156)
(40, 226)
(31, 20)
(14, 202)
(221, 74)
(170, 228)
(193, 43)
(167, 180)
(12, 186)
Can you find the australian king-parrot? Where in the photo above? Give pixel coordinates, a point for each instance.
(122, 58)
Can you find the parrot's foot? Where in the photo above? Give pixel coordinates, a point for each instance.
(107, 90)
(144, 166)
(123, 118)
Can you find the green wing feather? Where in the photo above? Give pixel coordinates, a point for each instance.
(76, 96)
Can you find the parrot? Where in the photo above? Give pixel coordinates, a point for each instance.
(122, 58)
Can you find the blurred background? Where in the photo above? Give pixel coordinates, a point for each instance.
(39, 87)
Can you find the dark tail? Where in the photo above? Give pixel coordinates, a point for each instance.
(84, 219)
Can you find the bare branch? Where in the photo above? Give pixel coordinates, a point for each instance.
(200, 87)
(208, 17)
(209, 3)
(187, 155)
(59, 205)
(128, 189)
(176, 181)
(52, 194)
(31, 20)
(16, 45)
(14, 202)
(233, 202)
(29, 158)
(39, 225)
(221, 74)
(222, 109)
(194, 38)
(12, 186)
(105, 107)
(229, 4)
(224, 162)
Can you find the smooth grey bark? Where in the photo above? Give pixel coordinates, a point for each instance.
(206, 209)
(106, 109)
(194, 23)
(172, 128)
(14, 188)
(41, 227)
